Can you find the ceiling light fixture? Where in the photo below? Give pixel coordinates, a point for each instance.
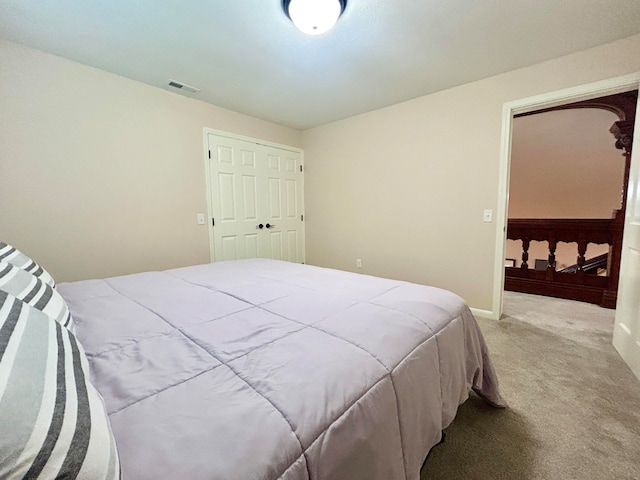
(314, 17)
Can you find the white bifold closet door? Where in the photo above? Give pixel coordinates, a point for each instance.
(256, 198)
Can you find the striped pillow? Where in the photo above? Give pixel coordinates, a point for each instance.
(52, 419)
(15, 257)
(30, 289)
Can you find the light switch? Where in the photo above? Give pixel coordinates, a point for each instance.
(487, 216)
(201, 219)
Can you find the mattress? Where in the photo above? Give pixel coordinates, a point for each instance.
(262, 369)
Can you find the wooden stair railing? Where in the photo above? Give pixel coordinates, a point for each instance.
(601, 290)
(592, 265)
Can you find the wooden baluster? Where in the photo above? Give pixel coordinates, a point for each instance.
(525, 253)
(551, 262)
(582, 249)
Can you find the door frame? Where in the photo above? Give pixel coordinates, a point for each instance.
(552, 99)
(207, 172)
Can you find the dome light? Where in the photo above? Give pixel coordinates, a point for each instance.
(314, 17)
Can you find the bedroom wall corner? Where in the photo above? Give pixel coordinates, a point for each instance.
(101, 175)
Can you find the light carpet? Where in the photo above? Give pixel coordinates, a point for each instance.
(574, 405)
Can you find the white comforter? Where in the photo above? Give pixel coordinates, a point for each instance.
(259, 369)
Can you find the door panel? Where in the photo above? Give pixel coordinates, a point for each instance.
(626, 333)
(291, 199)
(226, 188)
(229, 247)
(225, 154)
(254, 184)
(251, 246)
(250, 197)
(248, 158)
(292, 243)
(290, 164)
(276, 245)
(274, 162)
(274, 199)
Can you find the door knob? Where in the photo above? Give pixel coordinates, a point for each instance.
(269, 226)
(261, 226)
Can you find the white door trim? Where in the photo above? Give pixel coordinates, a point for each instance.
(205, 144)
(552, 99)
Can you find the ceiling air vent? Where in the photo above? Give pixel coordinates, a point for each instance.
(183, 86)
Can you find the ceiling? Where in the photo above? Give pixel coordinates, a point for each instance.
(245, 55)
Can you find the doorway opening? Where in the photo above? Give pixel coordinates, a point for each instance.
(567, 198)
(510, 109)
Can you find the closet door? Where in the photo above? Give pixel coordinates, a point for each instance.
(283, 205)
(255, 199)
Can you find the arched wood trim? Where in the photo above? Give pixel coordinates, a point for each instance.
(623, 105)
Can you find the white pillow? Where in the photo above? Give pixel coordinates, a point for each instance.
(53, 420)
(15, 257)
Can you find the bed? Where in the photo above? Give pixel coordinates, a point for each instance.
(262, 369)
(253, 369)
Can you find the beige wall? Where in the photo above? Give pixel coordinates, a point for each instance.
(564, 164)
(404, 187)
(101, 175)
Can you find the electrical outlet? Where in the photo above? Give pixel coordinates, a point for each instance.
(201, 219)
(358, 263)
(487, 216)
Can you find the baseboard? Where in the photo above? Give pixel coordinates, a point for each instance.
(484, 313)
